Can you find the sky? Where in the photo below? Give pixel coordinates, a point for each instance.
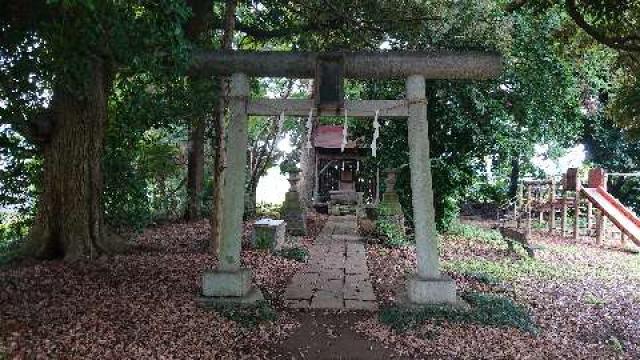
(273, 186)
(573, 158)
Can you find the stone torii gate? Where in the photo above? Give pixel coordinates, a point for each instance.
(231, 282)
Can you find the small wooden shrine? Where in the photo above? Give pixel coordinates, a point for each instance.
(338, 165)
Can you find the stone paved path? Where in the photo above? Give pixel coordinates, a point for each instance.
(336, 276)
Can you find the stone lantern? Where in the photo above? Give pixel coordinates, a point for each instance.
(390, 205)
(292, 210)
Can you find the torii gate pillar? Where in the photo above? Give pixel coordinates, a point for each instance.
(229, 282)
(428, 285)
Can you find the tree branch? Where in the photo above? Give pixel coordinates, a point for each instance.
(515, 5)
(627, 43)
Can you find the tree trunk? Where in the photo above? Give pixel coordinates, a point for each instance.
(70, 218)
(306, 185)
(198, 25)
(195, 170)
(218, 139)
(514, 177)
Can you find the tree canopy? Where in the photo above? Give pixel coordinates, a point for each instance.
(118, 69)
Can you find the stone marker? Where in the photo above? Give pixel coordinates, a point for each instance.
(269, 234)
(292, 210)
(390, 207)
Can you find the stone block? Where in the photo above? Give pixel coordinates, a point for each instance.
(326, 300)
(226, 284)
(297, 304)
(269, 234)
(360, 305)
(254, 295)
(299, 292)
(345, 197)
(432, 291)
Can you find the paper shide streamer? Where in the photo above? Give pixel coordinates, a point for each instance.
(344, 132)
(309, 128)
(376, 133)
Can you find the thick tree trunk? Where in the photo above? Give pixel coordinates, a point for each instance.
(70, 218)
(195, 170)
(219, 137)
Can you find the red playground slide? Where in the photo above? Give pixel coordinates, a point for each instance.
(613, 209)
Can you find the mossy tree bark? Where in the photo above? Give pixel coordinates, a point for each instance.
(70, 218)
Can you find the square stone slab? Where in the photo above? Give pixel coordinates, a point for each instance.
(327, 303)
(297, 304)
(360, 305)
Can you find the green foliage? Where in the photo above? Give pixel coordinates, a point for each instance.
(611, 148)
(508, 270)
(475, 233)
(484, 278)
(147, 171)
(248, 315)
(390, 232)
(592, 299)
(485, 309)
(481, 191)
(615, 344)
(298, 254)
(13, 229)
(263, 238)
(267, 210)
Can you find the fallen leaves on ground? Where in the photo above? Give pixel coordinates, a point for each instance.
(589, 311)
(136, 306)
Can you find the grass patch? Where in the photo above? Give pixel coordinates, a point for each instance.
(591, 299)
(486, 309)
(484, 278)
(508, 270)
(615, 345)
(476, 233)
(298, 254)
(247, 315)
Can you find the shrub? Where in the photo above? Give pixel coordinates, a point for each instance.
(13, 229)
(476, 233)
(247, 315)
(486, 309)
(295, 253)
(266, 210)
(391, 233)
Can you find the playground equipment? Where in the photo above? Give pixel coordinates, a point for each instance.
(544, 200)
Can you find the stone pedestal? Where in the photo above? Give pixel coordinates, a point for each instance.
(228, 287)
(269, 234)
(292, 210)
(432, 291)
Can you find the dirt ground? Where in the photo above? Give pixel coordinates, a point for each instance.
(583, 299)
